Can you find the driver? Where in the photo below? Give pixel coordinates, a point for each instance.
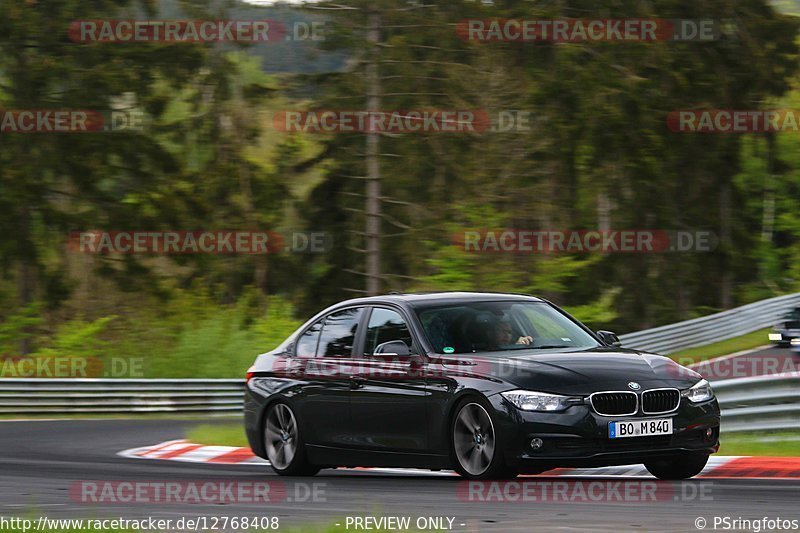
(502, 334)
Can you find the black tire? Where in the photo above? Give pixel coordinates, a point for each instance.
(675, 467)
(283, 442)
(490, 442)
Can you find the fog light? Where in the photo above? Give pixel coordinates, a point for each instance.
(537, 443)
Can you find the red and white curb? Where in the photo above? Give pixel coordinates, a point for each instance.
(718, 467)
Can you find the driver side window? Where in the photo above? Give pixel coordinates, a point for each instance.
(384, 326)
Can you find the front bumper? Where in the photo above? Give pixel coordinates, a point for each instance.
(578, 437)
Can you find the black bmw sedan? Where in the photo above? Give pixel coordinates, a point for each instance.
(491, 385)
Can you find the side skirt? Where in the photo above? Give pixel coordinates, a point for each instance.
(327, 455)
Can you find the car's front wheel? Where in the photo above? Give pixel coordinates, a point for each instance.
(476, 451)
(681, 466)
(283, 442)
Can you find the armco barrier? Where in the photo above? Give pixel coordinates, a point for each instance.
(748, 404)
(760, 403)
(54, 395)
(712, 328)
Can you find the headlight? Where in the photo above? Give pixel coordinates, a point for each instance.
(795, 342)
(700, 392)
(537, 401)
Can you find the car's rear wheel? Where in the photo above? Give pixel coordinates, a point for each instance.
(283, 442)
(681, 466)
(475, 446)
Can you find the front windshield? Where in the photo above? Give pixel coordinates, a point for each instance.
(500, 327)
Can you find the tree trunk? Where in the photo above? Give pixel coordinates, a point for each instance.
(726, 246)
(373, 192)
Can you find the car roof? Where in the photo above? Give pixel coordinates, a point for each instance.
(415, 299)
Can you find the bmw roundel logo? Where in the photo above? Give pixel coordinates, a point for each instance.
(634, 386)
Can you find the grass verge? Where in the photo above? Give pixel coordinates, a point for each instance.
(737, 344)
(222, 434)
(778, 444)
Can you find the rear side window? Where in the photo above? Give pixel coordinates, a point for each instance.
(307, 343)
(339, 333)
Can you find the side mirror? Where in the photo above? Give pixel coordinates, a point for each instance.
(398, 348)
(609, 337)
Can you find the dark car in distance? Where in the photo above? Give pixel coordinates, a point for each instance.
(490, 385)
(786, 331)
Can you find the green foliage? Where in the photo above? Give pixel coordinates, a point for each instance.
(218, 345)
(17, 326)
(599, 313)
(190, 335)
(77, 338)
(598, 138)
(596, 153)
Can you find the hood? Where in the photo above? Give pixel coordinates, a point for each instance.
(580, 372)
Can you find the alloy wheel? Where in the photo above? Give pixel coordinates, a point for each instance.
(281, 436)
(474, 439)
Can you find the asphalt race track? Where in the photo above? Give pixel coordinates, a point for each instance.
(42, 460)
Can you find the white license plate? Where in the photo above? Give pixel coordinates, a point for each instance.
(639, 428)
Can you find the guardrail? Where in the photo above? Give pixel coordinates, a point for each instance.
(760, 403)
(118, 396)
(712, 328)
(748, 404)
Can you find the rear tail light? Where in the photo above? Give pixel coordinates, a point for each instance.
(249, 376)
